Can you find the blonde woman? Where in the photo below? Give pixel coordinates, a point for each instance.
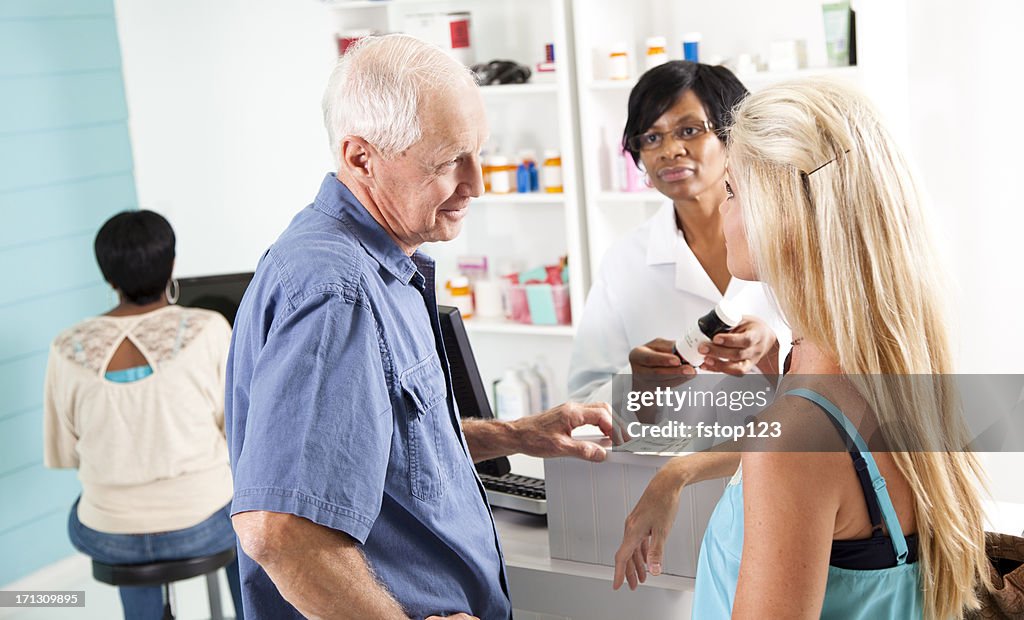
(822, 207)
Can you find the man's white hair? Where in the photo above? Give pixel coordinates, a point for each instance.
(375, 89)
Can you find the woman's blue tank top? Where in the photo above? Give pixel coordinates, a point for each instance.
(881, 594)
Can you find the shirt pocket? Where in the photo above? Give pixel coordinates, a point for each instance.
(425, 388)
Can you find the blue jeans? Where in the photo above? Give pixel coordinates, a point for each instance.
(144, 602)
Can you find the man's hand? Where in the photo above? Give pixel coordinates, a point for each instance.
(746, 346)
(455, 617)
(547, 434)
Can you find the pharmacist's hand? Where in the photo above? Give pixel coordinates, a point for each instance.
(738, 351)
(455, 617)
(647, 527)
(549, 434)
(655, 363)
(654, 366)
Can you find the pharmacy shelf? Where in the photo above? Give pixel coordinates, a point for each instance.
(530, 88)
(517, 199)
(601, 104)
(373, 4)
(644, 197)
(753, 81)
(502, 326)
(356, 4)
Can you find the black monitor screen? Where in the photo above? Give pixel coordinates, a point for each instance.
(221, 293)
(469, 390)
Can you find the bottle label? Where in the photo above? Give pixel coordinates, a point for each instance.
(686, 347)
(552, 177)
(464, 303)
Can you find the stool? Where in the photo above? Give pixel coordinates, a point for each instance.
(163, 573)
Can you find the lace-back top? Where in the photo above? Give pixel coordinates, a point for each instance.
(150, 453)
(159, 335)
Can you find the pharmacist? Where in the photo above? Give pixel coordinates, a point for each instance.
(355, 494)
(655, 282)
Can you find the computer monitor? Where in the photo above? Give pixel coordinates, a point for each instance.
(469, 390)
(221, 293)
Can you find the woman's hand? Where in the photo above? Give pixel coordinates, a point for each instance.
(738, 351)
(655, 362)
(647, 527)
(655, 365)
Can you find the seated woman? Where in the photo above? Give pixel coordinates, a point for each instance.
(135, 400)
(823, 208)
(655, 282)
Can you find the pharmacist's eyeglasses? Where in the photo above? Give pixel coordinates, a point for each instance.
(654, 140)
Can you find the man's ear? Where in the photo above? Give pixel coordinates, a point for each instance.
(357, 157)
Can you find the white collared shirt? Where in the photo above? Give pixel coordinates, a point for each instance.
(651, 285)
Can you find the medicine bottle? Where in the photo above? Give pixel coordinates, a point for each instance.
(691, 46)
(618, 62)
(656, 54)
(461, 295)
(511, 396)
(502, 172)
(552, 172)
(485, 169)
(721, 319)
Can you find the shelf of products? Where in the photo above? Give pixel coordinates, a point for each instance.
(529, 88)
(519, 199)
(644, 197)
(515, 231)
(613, 40)
(580, 112)
(501, 326)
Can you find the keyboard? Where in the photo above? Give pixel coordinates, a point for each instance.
(516, 492)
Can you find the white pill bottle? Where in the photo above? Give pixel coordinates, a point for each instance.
(722, 318)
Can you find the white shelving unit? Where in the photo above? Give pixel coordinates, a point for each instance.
(579, 111)
(526, 230)
(729, 28)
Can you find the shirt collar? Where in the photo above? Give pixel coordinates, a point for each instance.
(661, 241)
(336, 200)
(666, 245)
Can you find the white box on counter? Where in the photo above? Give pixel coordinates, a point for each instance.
(588, 504)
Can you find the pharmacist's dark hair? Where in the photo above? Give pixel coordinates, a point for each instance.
(657, 90)
(135, 251)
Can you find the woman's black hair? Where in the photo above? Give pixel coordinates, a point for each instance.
(135, 251)
(659, 89)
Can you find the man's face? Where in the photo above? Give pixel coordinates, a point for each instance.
(424, 192)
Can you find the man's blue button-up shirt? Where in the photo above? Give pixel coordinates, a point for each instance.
(339, 410)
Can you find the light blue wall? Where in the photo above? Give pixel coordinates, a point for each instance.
(65, 166)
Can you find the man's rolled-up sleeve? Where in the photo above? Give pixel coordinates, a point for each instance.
(318, 427)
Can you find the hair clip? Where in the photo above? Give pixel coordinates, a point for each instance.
(807, 174)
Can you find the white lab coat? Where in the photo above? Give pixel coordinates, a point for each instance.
(651, 285)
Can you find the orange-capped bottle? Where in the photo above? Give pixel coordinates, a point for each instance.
(552, 172)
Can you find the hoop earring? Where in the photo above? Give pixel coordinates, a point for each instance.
(172, 297)
(647, 181)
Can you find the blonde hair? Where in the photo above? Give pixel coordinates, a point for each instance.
(836, 229)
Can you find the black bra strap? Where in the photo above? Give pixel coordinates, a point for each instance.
(861, 467)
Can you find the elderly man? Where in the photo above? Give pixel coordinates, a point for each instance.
(355, 493)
